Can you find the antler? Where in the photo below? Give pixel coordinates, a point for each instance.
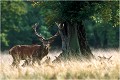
(60, 26)
(39, 35)
(51, 39)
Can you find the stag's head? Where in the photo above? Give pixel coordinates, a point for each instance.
(45, 42)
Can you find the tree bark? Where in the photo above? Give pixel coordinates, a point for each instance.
(70, 44)
(74, 40)
(84, 47)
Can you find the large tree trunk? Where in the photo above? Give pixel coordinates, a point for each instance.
(74, 40)
(70, 44)
(84, 47)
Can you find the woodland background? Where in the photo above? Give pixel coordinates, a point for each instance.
(101, 22)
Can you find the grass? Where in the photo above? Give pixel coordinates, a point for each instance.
(66, 69)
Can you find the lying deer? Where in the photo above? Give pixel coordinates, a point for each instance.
(31, 52)
(104, 58)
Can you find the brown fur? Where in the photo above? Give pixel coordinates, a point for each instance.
(28, 53)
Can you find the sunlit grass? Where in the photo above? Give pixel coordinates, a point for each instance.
(68, 69)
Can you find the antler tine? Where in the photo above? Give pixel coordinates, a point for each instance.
(34, 26)
(59, 25)
(53, 37)
(39, 35)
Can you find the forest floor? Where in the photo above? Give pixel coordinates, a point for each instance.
(99, 68)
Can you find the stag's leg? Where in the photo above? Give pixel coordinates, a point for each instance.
(16, 60)
(16, 63)
(28, 60)
(25, 63)
(13, 63)
(33, 61)
(38, 61)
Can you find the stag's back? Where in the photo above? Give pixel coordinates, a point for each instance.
(24, 51)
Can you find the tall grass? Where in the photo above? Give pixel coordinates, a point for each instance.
(66, 69)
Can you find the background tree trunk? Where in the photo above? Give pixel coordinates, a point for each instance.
(74, 40)
(84, 47)
(70, 44)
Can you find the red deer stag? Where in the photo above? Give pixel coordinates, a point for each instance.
(45, 43)
(23, 52)
(31, 52)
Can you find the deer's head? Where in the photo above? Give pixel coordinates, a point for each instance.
(45, 42)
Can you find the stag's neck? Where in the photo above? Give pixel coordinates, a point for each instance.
(44, 47)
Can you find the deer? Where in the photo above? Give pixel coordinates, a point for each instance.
(31, 53)
(24, 52)
(45, 42)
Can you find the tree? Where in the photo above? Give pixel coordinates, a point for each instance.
(70, 16)
(11, 19)
(73, 32)
(81, 23)
(106, 18)
(16, 24)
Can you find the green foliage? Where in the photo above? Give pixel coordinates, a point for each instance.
(11, 14)
(11, 19)
(100, 12)
(3, 39)
(16, 23)
(105, 12)
(17, 18)
(49, 10)
(44, 32)
(102, 16)
(96, 31)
